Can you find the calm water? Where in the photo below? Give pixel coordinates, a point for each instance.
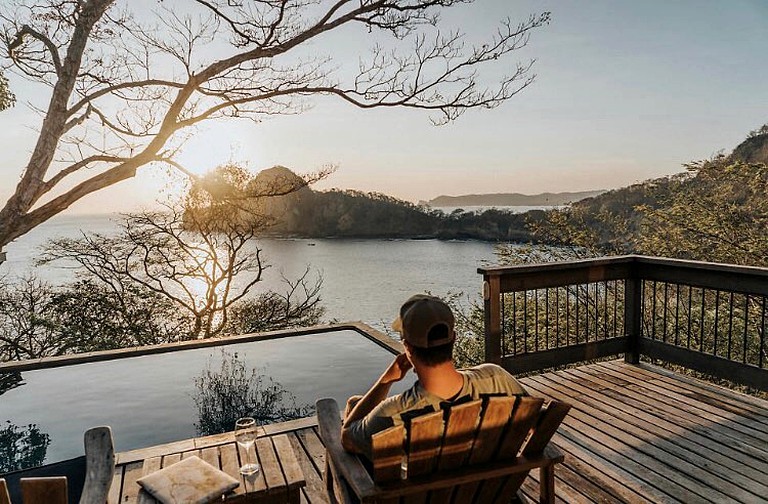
(480, 209)
(364, 280)
(151, 399)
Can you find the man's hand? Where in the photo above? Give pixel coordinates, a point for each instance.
(361, 407)
(397, 370)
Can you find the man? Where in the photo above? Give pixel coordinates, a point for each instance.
(426, 326)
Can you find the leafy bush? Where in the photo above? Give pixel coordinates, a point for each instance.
(233, 391)
(22, 448)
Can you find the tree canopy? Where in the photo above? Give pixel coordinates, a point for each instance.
(128, 84)
(716, 210)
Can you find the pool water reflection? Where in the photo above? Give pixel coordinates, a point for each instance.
(154, 399)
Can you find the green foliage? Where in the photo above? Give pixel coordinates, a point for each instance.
(608, 224)
(353, 214)
(762, 130)
(91, 317)
(719, 214)
(469, 349)
(22, 448)
(233, 391)
(490, 225)
(39, 320)
(715, 211)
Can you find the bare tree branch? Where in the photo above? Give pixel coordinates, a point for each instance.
(126, 92)
(52, 49)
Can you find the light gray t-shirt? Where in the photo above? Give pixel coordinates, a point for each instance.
(485, 379)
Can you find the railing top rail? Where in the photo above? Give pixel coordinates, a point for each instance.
(625, 259)
(559, 265)
(702, 265)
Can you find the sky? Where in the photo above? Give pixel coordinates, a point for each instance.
(625, 91)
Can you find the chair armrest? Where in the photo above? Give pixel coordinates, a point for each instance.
(99, 465)
(346, 464)
(553, 453)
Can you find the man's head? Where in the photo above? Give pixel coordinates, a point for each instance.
(426, 325)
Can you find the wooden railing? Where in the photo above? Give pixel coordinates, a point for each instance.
(703, 316)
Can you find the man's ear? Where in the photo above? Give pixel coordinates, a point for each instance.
(408, 351)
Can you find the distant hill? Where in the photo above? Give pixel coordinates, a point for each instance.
(513, 199)
(754, 149)
(613, 220)
(285, 206)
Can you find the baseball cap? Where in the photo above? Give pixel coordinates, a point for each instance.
(419, 315)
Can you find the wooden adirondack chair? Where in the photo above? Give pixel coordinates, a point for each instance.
(479, 451)
(99, 467)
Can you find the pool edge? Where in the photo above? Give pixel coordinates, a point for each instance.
(361, 328)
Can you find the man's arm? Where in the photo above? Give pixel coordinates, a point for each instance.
(377, 393)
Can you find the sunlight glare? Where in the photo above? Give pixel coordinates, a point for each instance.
(199, 286)
(208, 149)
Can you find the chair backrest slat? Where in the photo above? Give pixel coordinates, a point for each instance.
(424, 440)
(496, 415)
(460, 431)
(49, 490)
(523, 418)
(460, 428)
(494, 418)
(4, 497)
(388, 453)
(549, 421)
(471, 433)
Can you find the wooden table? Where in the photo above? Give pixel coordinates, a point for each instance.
(279, 480)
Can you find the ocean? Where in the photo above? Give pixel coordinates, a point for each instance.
(363, 280)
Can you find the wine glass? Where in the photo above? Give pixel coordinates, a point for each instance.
(245, 435)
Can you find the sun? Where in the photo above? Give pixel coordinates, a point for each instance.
(204, 152)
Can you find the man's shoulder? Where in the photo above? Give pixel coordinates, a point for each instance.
(396, 404)
(492, 378)
(487, 369)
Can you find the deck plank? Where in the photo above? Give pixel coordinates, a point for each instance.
(706, 426)
(739, 397)
(721, 401)
(314, 491)
(651, 463)
(720, 481)
(721, 460)
(596, 471)
(753, 429)
(636, 434)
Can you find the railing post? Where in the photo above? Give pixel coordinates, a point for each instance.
(632, 316)
(492, 311)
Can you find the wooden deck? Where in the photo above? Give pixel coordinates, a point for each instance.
(635, 434)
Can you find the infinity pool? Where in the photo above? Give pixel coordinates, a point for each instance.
(154, 399)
